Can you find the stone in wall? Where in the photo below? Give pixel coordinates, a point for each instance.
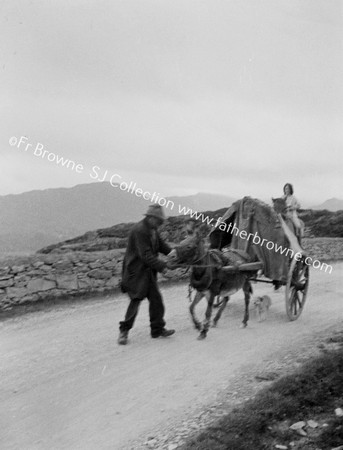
(50, 276)
(22, 279)
(95, 265)
(47, 295)
(56, 293)
(29, 298)
(18, 269)
(16, 292)
(36, 273)
(40, 284)
(82, 269)
(6, 281)
(98, 282)
(48, 259)
(4, 271)
(63, 265)
(112, 282)
(100, 273)
(85, 283)
(68, 282)
(109, 265)
(6, 276)
(37, 264)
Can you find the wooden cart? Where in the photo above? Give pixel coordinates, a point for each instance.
(297, 275)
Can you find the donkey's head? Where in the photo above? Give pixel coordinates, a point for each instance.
(188, 251)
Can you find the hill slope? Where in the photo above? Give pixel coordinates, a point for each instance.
(317, 224)
(36, 219)
(39, 218)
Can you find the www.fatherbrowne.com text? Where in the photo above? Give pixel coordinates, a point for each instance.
(115, 180)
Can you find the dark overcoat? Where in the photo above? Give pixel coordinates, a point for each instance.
(141, 262)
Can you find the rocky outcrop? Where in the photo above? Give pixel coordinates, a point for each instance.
(173, 230)
(43, 277)
(317, 224)
(324, 249)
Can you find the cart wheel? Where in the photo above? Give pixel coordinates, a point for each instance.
(296, 288)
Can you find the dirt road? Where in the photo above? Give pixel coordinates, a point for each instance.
(66, 384)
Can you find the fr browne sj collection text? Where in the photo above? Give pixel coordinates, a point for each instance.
(96, 173)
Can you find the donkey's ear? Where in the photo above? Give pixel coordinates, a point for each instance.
(273, 199)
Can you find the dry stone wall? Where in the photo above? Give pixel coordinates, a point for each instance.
(66, 275)
(41, 277)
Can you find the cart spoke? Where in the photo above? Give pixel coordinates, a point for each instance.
(295, 303)
(296, 289)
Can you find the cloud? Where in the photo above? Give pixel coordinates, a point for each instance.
(201, 94)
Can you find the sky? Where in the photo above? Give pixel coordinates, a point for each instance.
(235, 97)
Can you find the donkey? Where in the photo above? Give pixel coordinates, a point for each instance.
(210, 280)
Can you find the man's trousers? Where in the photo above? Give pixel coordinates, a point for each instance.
(156, 311)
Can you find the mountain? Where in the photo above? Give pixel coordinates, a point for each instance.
(39, 218)
(199, 202)
(333, 204)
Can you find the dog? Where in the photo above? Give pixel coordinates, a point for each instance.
(262, 305)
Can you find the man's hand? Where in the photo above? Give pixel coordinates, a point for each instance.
(171, 265)
(172, 255)
(165, 272)
(171, 259)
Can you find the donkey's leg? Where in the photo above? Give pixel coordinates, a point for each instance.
(206, 324)
(220, 310)
(247, 294)
(218, 301)
(197, 297)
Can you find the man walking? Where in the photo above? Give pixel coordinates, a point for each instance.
(139, 274)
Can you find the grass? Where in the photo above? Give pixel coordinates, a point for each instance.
(313, 392)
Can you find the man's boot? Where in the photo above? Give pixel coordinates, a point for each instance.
(162, 333)
(123, 336)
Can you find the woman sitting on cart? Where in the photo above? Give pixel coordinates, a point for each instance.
(292, 205)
